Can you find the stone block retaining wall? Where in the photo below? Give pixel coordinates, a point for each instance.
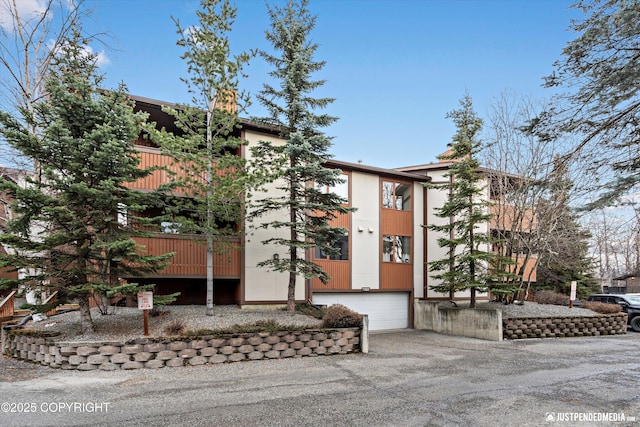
(158, 353)
(557, 327)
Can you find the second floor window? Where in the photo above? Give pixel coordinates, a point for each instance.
(341, 188)
(396, 195)
(342, 244)
(396, 249)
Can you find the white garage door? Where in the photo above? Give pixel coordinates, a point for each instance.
(386, 310)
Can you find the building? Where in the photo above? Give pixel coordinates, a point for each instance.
(506, 221)
(380, 271)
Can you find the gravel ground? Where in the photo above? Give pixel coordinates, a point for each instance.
(533, 309)
(127, 322)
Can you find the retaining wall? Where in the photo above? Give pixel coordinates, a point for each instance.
(558, 327)
(489, 324)
(473, 323)
(170, 352)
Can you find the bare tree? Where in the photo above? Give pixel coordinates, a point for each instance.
(615, 243)
(526, 193)
(28, 39)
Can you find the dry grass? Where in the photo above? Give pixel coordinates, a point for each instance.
(551, 297)
(339, 316)
(601, 307)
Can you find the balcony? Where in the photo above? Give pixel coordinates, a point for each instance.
(189, 259)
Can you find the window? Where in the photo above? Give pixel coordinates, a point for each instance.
(341, 188)
(396, 249)
(123, 215)
(342, 244)
(396, 196)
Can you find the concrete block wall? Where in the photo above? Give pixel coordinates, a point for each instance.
(158, 353)
(559, 327)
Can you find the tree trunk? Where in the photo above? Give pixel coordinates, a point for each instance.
(209, 275)
(293, 214)
(209, 216)
(85, 315)
(291, 292)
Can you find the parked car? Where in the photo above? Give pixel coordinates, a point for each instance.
(630, 304)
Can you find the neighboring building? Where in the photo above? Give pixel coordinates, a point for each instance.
(625, 284)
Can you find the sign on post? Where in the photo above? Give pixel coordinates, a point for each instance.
(572, 297)
(145, 303)
(145, 300)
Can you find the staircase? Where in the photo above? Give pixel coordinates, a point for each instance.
(9, 315)
(7, 308)
(16, 317)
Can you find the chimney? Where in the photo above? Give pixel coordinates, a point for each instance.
(227, 101)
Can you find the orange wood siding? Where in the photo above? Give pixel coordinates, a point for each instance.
(339, 271)
(150, 157)
(396, 276)
(502, 218)
(393, 222)
(529, 267)
(530, 264)
(169, 170)
(189, 259)
(397, 223)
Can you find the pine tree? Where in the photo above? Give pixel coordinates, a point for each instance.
(66, 235)
(566, 258)
(467, 262)
(600, 106)
(300, 161)
(205, 151)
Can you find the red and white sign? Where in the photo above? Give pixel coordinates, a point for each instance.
(145, 300)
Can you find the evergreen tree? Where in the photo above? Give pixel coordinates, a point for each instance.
(566, 257)
(467, 262)
(68, 234)
(209, 168)
(300, 161)
(599, 70)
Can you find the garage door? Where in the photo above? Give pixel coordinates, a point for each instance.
(386, 310)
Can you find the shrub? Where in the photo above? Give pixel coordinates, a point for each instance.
(158, 311)
(249, 328)
(601, 307)
(551, 297)
(176, 327)
(310, 310)
(339, 316)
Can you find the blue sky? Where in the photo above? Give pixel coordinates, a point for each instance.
(395, 67)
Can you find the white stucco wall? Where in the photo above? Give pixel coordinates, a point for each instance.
(435, 199)
(262, 284)
(418, 240)
(365, 260)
